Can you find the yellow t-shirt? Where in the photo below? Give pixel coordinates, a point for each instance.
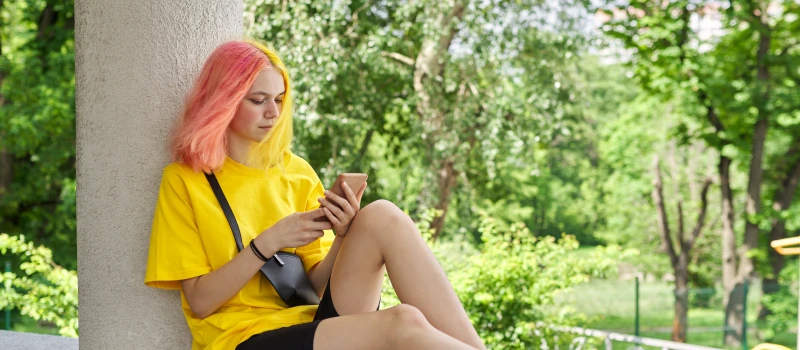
(191, 237)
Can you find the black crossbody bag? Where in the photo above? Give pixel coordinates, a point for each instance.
(284, 270)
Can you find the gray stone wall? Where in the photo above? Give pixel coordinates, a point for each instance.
(135, 60)
(30, 341)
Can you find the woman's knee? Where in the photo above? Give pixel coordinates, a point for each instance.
(408, 316)
(382, 212)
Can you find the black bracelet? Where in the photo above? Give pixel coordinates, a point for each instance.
(257, 252)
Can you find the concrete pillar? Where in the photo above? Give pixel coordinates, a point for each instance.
(134, 62)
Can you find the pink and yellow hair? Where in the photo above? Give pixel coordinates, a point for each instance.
(199, 139)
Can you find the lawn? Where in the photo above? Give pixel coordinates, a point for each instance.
(610, 305)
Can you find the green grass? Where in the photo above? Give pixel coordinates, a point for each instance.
(28, 325)
(584, 251)
(610, 305)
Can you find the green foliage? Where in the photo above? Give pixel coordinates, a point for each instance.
(693, 67)
(43, 291)
(782, 304)
(505, 111)
(539, 131)
(37, 123)
(713, 85)
(509, 285)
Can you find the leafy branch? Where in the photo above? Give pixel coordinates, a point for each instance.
(45, 291)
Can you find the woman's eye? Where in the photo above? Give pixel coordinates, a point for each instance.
(258, 102)
(278, 101)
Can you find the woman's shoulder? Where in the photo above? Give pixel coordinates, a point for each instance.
(298, 164)
(295, 166)
(299, 169)
(181, 171)
(178, 168)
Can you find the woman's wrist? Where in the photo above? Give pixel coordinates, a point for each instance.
(266, 245)
(254, 247)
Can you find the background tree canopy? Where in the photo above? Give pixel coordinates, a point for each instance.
(37, 124)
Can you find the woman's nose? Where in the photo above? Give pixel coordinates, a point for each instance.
(272, 111)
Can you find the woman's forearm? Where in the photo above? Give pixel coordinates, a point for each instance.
(319, 274)
(208, 292)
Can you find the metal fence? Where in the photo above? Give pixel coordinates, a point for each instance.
(611, 340)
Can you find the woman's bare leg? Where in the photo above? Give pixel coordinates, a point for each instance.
(382, 234)
(400, 327)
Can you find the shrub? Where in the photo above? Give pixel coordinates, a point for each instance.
(44, 291)
(508, 285)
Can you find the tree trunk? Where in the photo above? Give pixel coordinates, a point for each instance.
(724, 172)
(733, 316)
(356, 166)
(729, 256)
(734, 310)
(678, 261)
(447, 180)
(746, 268)
(680, 322)
(663, 221)
(753, 203)
(429, 67)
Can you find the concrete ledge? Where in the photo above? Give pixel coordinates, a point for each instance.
(32, 341)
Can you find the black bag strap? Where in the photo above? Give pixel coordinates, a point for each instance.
(226, 208)
(290, 282)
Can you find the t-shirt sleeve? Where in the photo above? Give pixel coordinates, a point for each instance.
(315, 251)
(176, 251)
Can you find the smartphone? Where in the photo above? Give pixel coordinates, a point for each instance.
(354, 180)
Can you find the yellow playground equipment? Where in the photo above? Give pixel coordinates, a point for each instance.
(767, 346)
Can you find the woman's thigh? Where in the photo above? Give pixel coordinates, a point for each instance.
(361, 331)
(357, 275)
(399, 327)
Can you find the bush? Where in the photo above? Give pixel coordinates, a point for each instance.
(45, 291)
(509, 284)
(782, 304)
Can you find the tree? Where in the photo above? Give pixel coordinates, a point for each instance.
(750, 60)
(44, 290)
(679, 258)
(37, 124)
(445, 84)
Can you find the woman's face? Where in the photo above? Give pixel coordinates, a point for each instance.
(259, 109)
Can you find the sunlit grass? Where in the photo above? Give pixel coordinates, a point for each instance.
(610, 305)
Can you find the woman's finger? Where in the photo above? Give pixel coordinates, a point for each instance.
(336, 199)
(310, 237)
(320, 223)
(334, 220)
(351, 197)
(313, 215)
(332, 208)
(360, 193)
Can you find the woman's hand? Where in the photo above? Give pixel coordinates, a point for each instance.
(293, 231)
(341, 211)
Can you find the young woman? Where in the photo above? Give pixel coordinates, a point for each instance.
(237, 124)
